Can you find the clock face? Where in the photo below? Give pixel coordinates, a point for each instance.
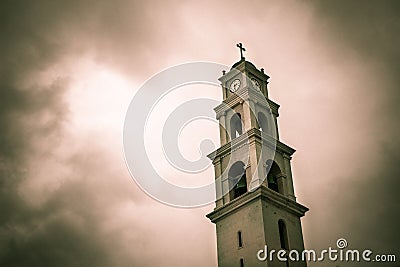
(256, 83)
(235, 85)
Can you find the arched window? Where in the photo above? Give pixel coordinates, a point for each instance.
(273, 171)
(262, 122)
(283, 236)
(237, 180)
(236, 125)
(241, 262)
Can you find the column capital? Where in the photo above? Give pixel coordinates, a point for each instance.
(221, 114)
(286, 156)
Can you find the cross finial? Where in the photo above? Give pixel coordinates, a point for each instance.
(241, 48)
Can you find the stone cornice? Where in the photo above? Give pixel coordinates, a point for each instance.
(284, 149)
(229, 147)
(263, 193)
(252, 135)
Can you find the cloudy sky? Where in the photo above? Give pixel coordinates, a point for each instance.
(69, 70)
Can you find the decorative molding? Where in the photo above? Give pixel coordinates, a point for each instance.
(251, 136)
(261, 193)
(286, 156)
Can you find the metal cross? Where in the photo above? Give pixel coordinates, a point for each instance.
(241, 48)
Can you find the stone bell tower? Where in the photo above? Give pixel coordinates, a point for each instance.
(256, 204)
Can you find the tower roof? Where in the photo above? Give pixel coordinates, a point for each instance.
(244, 62)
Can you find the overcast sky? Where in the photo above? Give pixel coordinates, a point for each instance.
(69, 70)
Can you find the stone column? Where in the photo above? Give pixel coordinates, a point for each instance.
(222, 129)
(289, 179)
(249, 118)
(224, 186)
(254, 177)
(218, 183)
(282, 184)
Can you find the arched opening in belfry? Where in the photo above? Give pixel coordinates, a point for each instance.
(262, 122)
(273, 171)
(236, 125)
(237, 180)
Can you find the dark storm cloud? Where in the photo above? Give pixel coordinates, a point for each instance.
(66, 229)
(35, 36)
(24, 52)
(120, 33)
(66, 201)
(30, 237)
(371, 29)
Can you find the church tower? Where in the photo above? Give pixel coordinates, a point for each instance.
(256, 204)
